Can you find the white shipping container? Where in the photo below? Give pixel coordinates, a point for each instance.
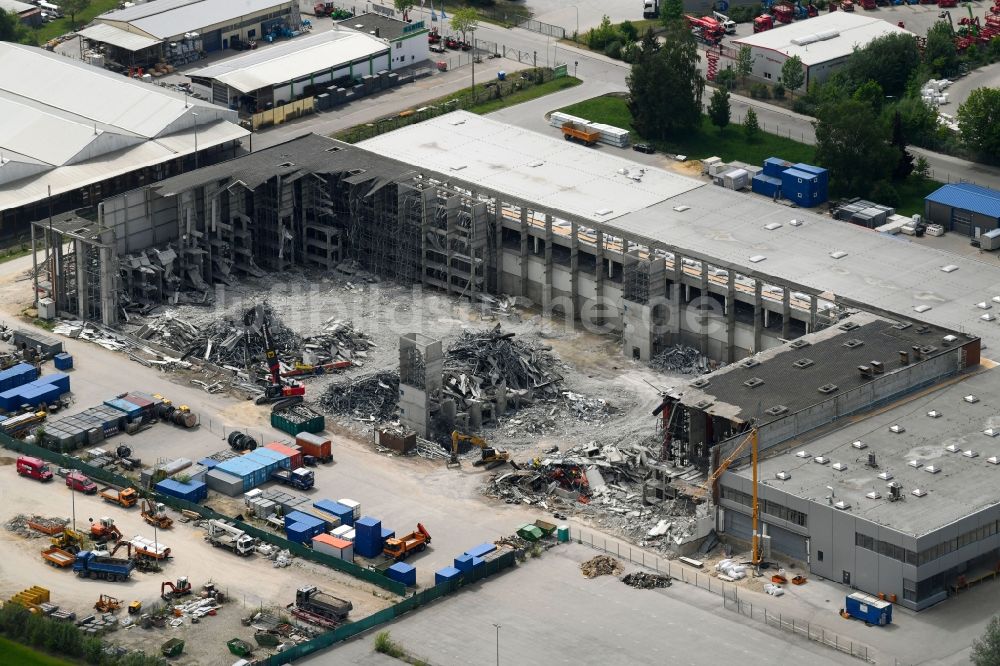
(345, 532)
(353, 505)
(251, 495)
(708, 163)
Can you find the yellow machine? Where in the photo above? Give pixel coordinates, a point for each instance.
(490, 456)
(134, 607)
(70, 540)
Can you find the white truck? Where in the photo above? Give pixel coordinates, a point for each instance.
(651, 9)
(727, 23)
(224, 535)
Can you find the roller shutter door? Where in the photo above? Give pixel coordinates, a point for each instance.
(211, 41)
(787, 543)
(961, 222)
(738, 525)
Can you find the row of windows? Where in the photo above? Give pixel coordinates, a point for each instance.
(885, 548)
(254, 21)
(774, 509)
(930, 554)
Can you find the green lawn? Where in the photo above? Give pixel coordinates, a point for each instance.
(62, 26)
(912, 193)
(15, 654)
(528, 94)
(729, 144)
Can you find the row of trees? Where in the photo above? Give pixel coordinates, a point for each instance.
(665, 85)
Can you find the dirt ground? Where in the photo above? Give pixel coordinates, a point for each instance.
(249, 583)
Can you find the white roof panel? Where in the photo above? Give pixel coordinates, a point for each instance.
(531, 166)
(169, 18)
(294, 59)
(109, 34)
(16, 6)
(851, 30)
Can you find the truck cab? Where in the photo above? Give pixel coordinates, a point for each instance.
(34, 468)
(651, 9)
(80, 483)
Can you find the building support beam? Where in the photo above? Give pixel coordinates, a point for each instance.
(704, 310)
(812, 313)
(599, 275)
(524, 251)
(574, 269)
(547, 280)
(758, 316)
(676, 299)
(786, 312)
(730, 355)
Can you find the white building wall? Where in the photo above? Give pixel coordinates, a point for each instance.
(409, 51)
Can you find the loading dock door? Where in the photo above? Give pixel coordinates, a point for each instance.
(212, 41)
(788, 543)
(961, 221)
(738, 525)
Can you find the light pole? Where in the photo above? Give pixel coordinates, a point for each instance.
(498, 642)
(72, 488)
(195, 139)
(473, 68)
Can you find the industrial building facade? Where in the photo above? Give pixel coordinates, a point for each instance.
(964, 208)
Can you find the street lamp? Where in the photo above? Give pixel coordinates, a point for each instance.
(473, 67)
(498, 642)
(195, 139)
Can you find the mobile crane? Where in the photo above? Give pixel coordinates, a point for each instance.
(274, 390)
(491, 457)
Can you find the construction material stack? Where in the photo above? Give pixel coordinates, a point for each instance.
(344, 514)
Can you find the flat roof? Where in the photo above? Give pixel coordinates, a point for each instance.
(109, 34)
(319, 52)
(963, 486)
(792, 374)
(968, 196)
(726, 228)
(824, 37)
(163, 19)
(591, 184)
(388, 27)
(17, 6)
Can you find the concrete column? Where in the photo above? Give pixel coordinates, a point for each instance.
(599, 263)
(730, 355)
(498, 226)
(703, 311)
(786, 312)
(524, 251)
(758, 307)
(547, 284)
(34, 267)
(79, 251)
(812, 313)
(675, 298)
(574, 268)
(451, 227)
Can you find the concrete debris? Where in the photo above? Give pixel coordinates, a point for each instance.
(680, 359)
(370, 398)
(48, 526)
(646, 581)
(602, 565)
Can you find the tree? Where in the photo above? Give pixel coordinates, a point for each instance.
(940, 53)
(718, 108)
(73, 7)
(904, 163)
(12, 30)
(465, 20)
(888, 60)
(403, 6)
(671, 12)
(979, 122)
(750, 126)
(852, 142)
(726, 78)
(884, 193)
(923, 168)
(986, 650)
(665, 88)
(792, 74)
(871, 94)
(602, 35)
(744, 62)
(628, 31)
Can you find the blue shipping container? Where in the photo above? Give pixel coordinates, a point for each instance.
(773, 166)
(464, 563)
(868, 608)
(766, 185)
(130, 410)
(402, 573)
(481, 550)
(208, 463)
(63, 361)
(345, 513)
(299, 533)
(368, 537)
(446, 574)
(10, 399)
(387, 534)
(60, 379)
(195, 491)
(299, 517)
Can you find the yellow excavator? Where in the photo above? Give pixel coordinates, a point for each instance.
(70, 540)
(491, 457)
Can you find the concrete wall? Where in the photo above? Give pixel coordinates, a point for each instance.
(140, 220)
(409, 51)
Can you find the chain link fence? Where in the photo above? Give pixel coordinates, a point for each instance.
(728, 591)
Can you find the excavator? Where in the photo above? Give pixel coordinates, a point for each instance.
(275, 390)
(177, 590)
(491, 457)
(70, 540)
(155, 514)
(104, 530)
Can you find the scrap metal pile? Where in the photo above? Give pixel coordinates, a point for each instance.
(681, 359)
(602, 565)
(34, 527)
(646, 581)
(370, 398)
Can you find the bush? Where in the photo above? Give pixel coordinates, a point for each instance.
(884, 193)
(614, 50)
(385, 645)
(628, 31)
(804, 107)
(779, 91)
(726, 79)
(630, 52)
(759, 91)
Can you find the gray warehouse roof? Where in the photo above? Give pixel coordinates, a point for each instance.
(388, 27)
(962, 486)
(163, 19)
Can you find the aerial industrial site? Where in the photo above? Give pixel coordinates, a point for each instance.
(303, 361)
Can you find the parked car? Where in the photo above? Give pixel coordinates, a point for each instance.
(644, 148)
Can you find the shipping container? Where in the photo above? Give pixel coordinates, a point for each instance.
(60, 379)
(402, 573)
(300, 517)
(299, 533)
(293, 456)
(446, 575)
(225, 483)
(481, 550)
(868, 608)
(466, 563)
(344, 513)
(354, 506)
(766, 185)
(331, 545)
(63, 361)
(208, 463)
(368, 537)
(774, 166)
(313, 445)
(130, 410)
(345, 532)
(195, 491)
(387, 534)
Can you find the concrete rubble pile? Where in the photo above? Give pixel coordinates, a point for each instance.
(681, 359)
(19, 525)
(370, 398)
(646, 581)
(602, 565)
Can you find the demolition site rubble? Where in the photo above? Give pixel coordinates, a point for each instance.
(601, 565)
(681, 359)
(646, 581)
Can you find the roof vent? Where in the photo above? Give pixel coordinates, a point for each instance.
(934, 414)
(842, 505)
(932, 469)
(952, 448)
(993, 460)
(332, 149)
(821, 460)
(921, 308)
(982, 305)
(803, 454)
(858, 444)
(783, 476)
(917, 492)
(803, 363)
(796, 223)
(848, 326)
(838, 254)
(681, 209)
(839, 466)
(915, 464)
(902, 326)
(703, 404)
(753, 382)
(984, 317)
(971, 399)
(996, 299)
(772, 226)
(851, 344)
(285, 165)
(866, 371)
(777, 410)
(798, 344)
(757, 258)
(970, 454)
(873, 495)
(991, 432)
(950, 268)
(898, 429)
(877, 367)
(750, 362)
(826, 389)
(700, 383)
(885, 475)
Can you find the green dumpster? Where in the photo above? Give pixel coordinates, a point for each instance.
(172, 647)
(546, 528)
(529, 532)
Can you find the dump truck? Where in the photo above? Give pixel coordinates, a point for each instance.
(224, 535)
(90, 565)
(400, 549)
(58, 557)
(300, 478)
(155, 514)
(318, 607)
(126, 497)
(576, 132)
